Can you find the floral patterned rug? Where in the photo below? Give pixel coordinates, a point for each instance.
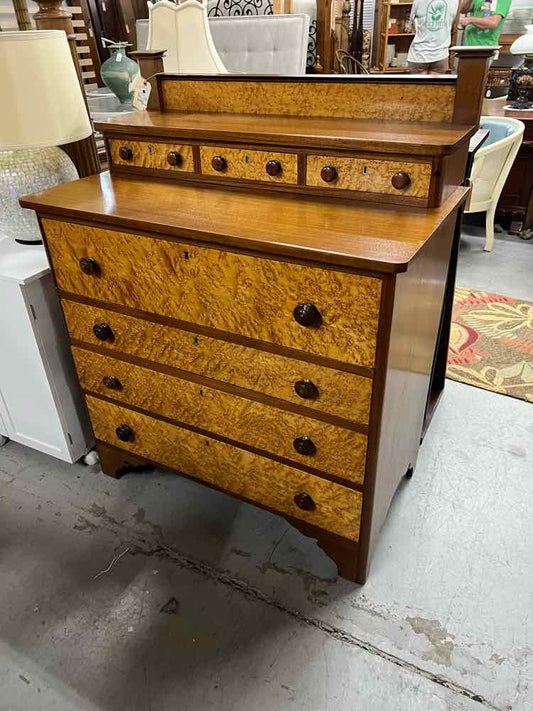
(491, 343)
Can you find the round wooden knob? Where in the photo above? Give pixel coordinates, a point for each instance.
(111, 382)
(329, 174)
(304, 445)
(103, 331)
(304, 501)
(307, 315)
(306, 389)
(124, 433)
(125, 152)
(219, 163)
(273, 167)
(174, 158)
(400, 180)
(90, 266)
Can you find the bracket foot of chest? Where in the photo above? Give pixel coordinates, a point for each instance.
(116, 462)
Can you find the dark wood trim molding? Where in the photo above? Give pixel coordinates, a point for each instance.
(151, 64)
(472, 70)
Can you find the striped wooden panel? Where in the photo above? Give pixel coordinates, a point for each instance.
(251, 476)
(343, 394)
(340, 452)
(369, 175)
(361, 99)
(236, 293)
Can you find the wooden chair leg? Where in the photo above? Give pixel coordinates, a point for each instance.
(489, 229)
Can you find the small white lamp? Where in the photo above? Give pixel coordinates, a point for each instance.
(521, 86)
(42, 108)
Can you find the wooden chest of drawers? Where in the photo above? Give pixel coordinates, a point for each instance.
(266, 341)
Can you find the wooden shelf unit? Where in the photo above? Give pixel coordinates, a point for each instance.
(389, 11)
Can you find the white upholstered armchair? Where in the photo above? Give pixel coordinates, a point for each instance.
(492, 164)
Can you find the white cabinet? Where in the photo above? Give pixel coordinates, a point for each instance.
(41, 404)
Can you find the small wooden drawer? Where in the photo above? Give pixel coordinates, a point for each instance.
(332, 507)
(335, 450)
(333, 314)
(249, 165)
(147, 154)
(316, 387)
(387, 177)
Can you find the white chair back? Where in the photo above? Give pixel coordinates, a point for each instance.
(183, 30)
(493, 161)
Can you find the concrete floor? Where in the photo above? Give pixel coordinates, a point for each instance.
(216, 605)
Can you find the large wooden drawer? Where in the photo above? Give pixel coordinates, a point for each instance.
(322, 389)
(369, 175)
(246, 164)
(174, 157)
(237, 293)
(251, 476)
(335, 450)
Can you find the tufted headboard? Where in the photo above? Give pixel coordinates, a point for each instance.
(264, 44)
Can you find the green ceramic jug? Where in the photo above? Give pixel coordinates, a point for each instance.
(119, 71)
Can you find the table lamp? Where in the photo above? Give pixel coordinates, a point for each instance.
(521, 85)
(42, 108)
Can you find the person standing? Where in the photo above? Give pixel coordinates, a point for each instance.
(484, 25)
(432, 22)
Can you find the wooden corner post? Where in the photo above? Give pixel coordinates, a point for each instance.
(150, 64)
(472, 70)
(324, 40)
(52, 16)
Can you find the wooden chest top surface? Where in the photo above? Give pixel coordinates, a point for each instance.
(422, 138)
(379, 238)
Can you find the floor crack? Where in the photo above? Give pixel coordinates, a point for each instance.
(253, 593)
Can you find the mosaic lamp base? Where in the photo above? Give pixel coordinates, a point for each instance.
(25, 171)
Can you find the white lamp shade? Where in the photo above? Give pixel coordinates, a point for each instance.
(42, 102)
(524, 43)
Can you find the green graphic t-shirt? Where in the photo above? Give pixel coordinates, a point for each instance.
(483, 8)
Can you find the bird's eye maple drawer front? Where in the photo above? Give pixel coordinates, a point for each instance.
(330, 506)
(323, 389)
(366, 175)
(335, 450)
(249, 165)
(334, 314)
(147, 154)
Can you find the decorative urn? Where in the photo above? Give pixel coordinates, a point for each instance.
(119, 71)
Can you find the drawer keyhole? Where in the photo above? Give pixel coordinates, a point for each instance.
(365, 169)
